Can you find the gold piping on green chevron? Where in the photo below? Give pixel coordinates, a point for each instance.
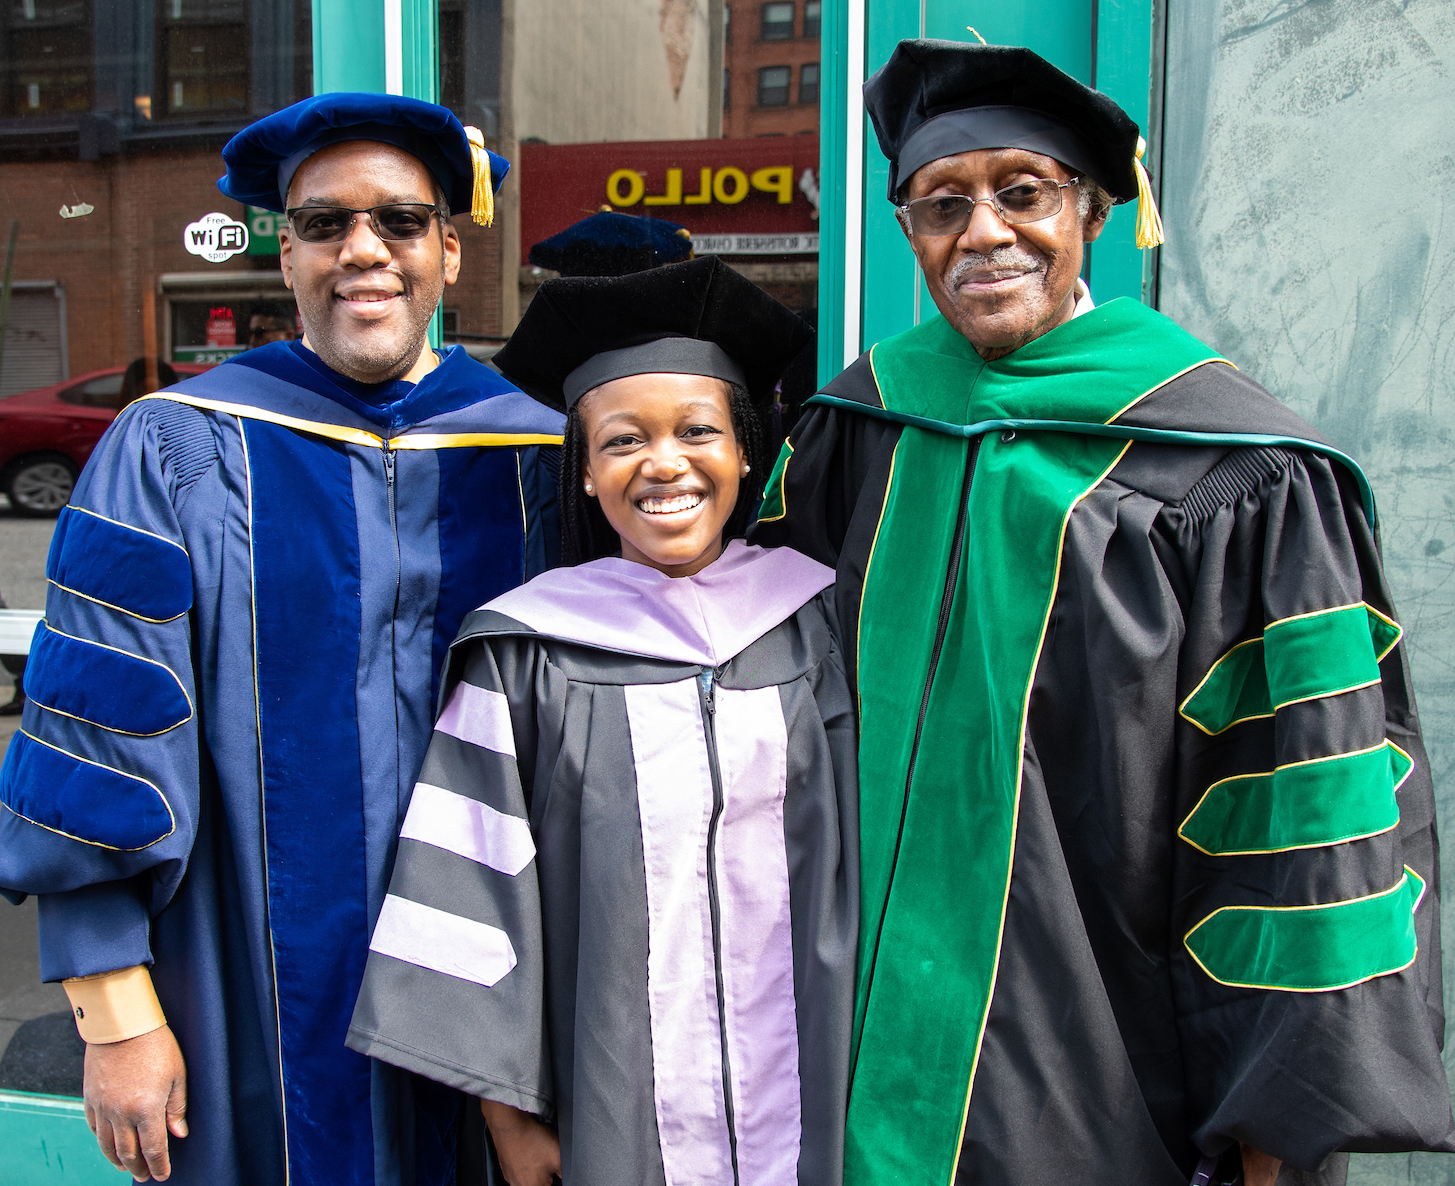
(1384, 632)
(1309, 804)
(357, 436)
(1318, 948)
(1323, 653)
(775, 498)
(941, 760)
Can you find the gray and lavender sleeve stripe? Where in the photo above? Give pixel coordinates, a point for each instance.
(457, 947)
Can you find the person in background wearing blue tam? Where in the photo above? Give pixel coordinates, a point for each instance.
(251, 597)
(1148, 843)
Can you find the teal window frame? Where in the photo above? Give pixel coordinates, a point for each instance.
(389, 47)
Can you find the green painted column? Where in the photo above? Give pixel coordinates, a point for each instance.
(348, 46)
(420, 48)
(1124, 72)
(385, 46)
(833, 122)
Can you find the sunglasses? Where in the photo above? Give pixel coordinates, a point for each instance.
(394, 223)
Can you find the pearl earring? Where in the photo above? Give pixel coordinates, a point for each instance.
(590, 489)
(747, 469)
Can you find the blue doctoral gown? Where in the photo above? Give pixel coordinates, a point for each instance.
(250, 600)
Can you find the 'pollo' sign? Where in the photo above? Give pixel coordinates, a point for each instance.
(761, 189)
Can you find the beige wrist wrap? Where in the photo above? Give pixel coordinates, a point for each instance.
(114, 1006)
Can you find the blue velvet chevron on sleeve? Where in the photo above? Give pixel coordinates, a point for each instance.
(98, 792)
(120, 566)
(104, 685)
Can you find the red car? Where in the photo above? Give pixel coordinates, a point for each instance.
(47, 434)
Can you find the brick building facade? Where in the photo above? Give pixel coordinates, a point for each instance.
(114, 112)
(771, 67)
(129, 250)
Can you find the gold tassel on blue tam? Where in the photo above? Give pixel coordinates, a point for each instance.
(1149, 222)
(482, 202)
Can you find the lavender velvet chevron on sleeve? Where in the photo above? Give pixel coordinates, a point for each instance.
(626, 894)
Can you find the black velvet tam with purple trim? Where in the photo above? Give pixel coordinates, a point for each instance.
(723, 325)
(938, 98)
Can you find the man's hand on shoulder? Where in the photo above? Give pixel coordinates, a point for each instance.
(135, 1094)
(529, 1151)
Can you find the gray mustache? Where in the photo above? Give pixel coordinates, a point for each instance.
(1002, 257)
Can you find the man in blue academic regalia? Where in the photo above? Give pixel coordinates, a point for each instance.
(250, 598)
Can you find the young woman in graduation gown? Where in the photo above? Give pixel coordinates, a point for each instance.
(624, 911)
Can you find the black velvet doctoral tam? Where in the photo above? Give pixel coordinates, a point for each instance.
(938, 98)
(575, 319)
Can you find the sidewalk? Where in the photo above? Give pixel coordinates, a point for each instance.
(23, 547)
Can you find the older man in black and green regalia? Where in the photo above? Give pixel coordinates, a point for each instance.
(1149, 862)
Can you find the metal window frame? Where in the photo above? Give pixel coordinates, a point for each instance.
(763, 8)
(786, 88)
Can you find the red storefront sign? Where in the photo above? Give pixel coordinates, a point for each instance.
(755, 195)
(221, 329)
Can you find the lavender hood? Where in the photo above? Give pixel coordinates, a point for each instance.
(707, 619)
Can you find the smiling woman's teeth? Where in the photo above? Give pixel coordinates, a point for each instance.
(665, 506)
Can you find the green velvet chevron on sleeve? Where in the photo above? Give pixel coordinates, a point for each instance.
(1310, 948)
(1301, 805)
(1301, 658)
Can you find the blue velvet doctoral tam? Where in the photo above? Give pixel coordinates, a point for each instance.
(250, 599)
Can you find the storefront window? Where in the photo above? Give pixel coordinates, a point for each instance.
(112, 116)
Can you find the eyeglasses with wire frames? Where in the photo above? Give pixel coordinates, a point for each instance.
(395, 223)
(950, 214)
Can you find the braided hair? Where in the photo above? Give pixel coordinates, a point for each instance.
(585, 532)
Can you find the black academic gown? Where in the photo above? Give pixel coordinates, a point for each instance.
(626, 897)
(1109, 1055)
